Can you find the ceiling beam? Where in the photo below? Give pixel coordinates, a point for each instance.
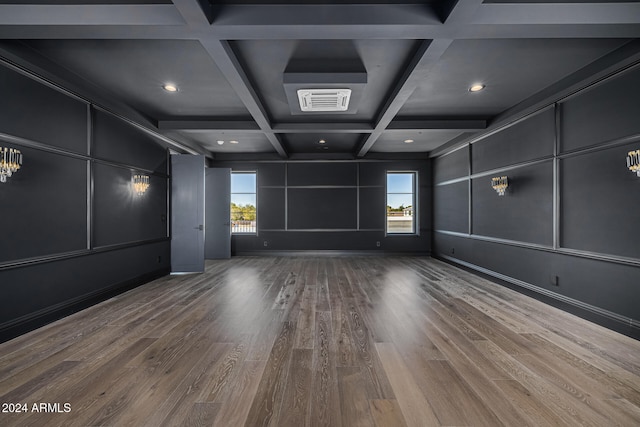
(78, 30)
(426, 56)
(100, 32)
(456, 12)
(322, 15)
(397, 32)
(103, 14)
(217, 125)
(314, 127)
(195, 12)
(548, 31)
(332, 127)
(441, 124)
(558, 14)
(229, 64)
(186, 19)
(194, 20)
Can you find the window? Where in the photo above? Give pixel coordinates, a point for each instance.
(401, 202)
(243, 202)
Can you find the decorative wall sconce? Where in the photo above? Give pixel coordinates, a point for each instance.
(140, 184)
(500, 184)
(633, 161)
(10, 162)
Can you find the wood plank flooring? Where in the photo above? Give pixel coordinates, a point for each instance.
(328, 341)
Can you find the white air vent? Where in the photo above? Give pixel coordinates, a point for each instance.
(314, 100)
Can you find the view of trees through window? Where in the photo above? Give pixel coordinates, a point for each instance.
(243, 202)
(401, 202)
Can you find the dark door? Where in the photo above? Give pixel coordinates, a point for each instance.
(187, 213)
(217, 240)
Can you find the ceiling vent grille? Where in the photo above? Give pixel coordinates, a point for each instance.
(323, 100)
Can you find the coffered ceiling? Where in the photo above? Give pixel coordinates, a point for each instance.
(237, 65)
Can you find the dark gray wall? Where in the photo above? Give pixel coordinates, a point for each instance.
(330, 205)
(564, 230)
(73, 230)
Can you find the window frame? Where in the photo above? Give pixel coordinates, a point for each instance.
(415, 202)
(231, 193)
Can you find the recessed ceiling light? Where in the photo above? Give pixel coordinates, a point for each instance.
(476, 87)
(233, 142)
(408, 141)
(170, 87)
(322, 141)
(220, 142)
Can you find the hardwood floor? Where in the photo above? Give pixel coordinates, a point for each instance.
(356, 341)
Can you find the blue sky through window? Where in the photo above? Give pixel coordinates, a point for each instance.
(243, 182)
(400, 189)
(400, 183)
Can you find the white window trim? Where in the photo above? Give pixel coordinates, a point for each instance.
(247, 233)
(416, 203)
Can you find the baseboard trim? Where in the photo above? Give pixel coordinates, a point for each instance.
(328, 253)
(37, 319)
(602, 317)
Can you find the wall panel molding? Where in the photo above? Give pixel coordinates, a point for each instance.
(52, 266)
(24, 308)
(602, 112)
(75, 254)
(591, 251)
(360, 188)
(605, 145)
(562, 251)
(608, 318)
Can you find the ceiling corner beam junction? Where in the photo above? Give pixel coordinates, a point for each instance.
(194, 12)
(223, 55)
(426, 56)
